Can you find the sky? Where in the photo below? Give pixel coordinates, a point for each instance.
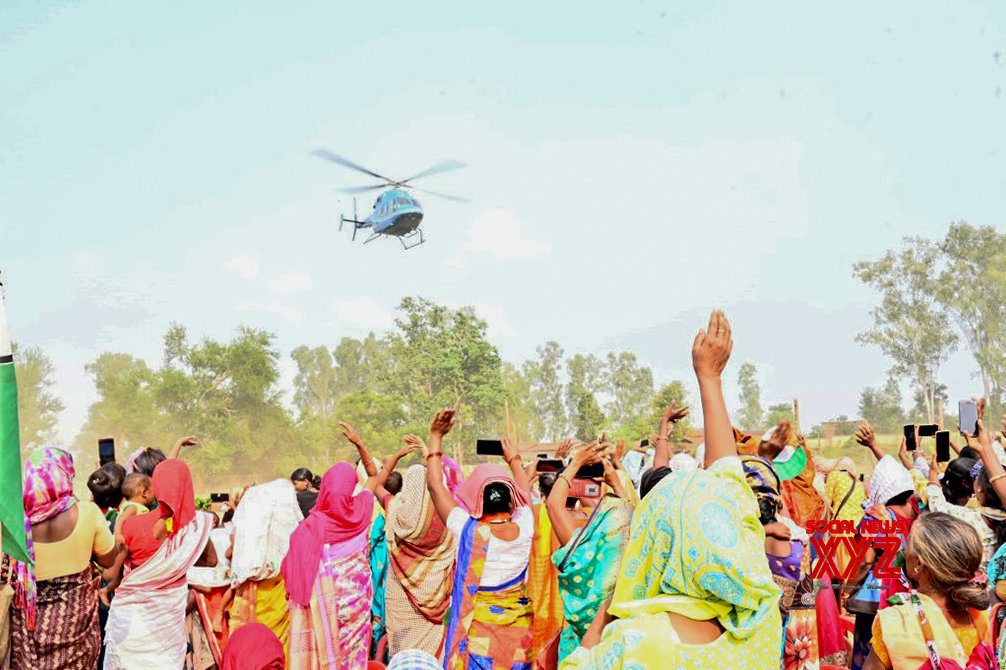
(629, 168)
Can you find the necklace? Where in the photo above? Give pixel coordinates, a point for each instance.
(499, 521)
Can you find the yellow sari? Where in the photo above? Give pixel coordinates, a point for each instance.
(696, 548)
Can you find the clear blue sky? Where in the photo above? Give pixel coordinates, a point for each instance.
(629, 169)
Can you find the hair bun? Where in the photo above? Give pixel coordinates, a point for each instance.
(971, 595)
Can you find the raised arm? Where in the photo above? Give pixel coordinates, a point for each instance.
(982, 443)
(662, 449)
(390, 464)
(368, 461)
(866, 437)
(555, 504)
(512, 456)
(443, 501)
(189, 441)
(710, 353)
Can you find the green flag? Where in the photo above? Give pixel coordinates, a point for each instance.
(11, 508)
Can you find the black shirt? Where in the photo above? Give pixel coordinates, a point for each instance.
(306, 499)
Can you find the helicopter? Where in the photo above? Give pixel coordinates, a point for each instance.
(397, 213)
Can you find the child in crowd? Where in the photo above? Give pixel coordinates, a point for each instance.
(138, 493)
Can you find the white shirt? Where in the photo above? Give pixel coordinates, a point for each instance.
(504, 560)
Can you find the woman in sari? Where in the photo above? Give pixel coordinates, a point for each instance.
(892, 498)
(589, 556)
(788, 552)
(489, 626)
(54, 620)
(265, 518)
(421, 556)
(327, 576)
(146, 620)
(694, 590)
(942, 619)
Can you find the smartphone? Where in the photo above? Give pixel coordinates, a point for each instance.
(968, 412)
(645, 442)
(584, 488)
(943, 446)
(910, 437)
(106, 450)
(592, 471)
(549, 465)
(220, 497)
(489, 447)
(928, 429)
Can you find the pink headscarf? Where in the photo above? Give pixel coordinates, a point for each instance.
(470, 493)
(337, 516)
(454, 477)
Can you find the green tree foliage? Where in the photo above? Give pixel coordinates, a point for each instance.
(585, 375)
(911, 324)
(920, 412)
(441, 357)
(882, 407)
(752, 415)
(778, 413)
(629, 386)
(972, 287)
(38, 406)
(544, 377)
(520, 421)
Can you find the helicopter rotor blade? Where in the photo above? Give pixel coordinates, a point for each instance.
(446, 166)
(454, 198)
(345, 162)
(352, 190)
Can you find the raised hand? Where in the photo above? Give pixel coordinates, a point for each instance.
(865, 435)
(350, 433)
(982, 442)
(712, 346)
(673, 413)
(564, 448)
(414, 442)
(442, 423)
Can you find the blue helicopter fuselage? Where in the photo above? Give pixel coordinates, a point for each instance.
(396, 212)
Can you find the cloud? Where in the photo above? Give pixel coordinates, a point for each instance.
(243, 267)
(497, 324)
(362, 312)
(500, 234)
(291, 283)
(291, 314)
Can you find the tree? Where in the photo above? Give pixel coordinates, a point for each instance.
(441, 357)
(972, 287)
(910, 323)
(750, 397)
(920, 411)
(544, 377)
(778, 413)
(629, 389)
(315, 385)
(882, 407)
(520, 422)
(38, 406)
(585, 375)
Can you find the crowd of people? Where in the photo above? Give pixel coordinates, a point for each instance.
(602, 557)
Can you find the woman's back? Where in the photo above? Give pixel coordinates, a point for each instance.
(64, 544)
(505, 559)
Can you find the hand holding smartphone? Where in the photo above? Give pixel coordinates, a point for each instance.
(967, 411)
(910, 442)
(943, 446)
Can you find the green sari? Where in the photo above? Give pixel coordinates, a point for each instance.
(588, 568)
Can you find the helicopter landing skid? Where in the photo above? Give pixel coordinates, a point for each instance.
(405, 245)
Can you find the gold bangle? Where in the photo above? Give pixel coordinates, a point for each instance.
(564, 478)
(992, 480)
(513, 458)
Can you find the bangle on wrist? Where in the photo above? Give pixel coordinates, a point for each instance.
(563, 477)
(434, 453)
(997, 477)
